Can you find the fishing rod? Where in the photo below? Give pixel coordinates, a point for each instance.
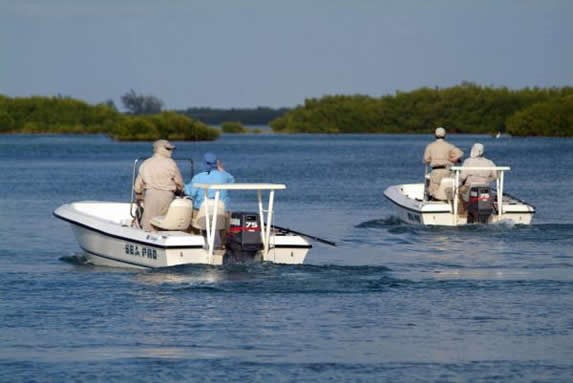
(514, 197)
(304, 235)
(426, 183)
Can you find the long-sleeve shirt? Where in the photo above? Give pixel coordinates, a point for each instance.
(441, 153)
(471, 176)
(159, 173)
(211, 177)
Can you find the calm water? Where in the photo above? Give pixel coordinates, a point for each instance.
(390, 303)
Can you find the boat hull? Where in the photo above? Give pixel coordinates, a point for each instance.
(103, 231)
(411, 208)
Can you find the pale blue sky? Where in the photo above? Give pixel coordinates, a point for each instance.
(248, 53)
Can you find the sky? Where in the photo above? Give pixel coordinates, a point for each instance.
(277, 53)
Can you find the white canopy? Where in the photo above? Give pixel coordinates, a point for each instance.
(266, 219)
(497, 168)
(243, 186)
(498, 181)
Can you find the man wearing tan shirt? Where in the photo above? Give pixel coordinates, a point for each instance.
(440, 154)
(157, 181)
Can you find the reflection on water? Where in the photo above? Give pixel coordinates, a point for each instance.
(472, 252)
(202, 277)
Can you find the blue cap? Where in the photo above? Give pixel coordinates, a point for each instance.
(210, 161)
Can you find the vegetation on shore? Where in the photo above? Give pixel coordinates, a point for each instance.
(233, 127)
(247, 116)
(467, 108)
(62, 115)
(237, 127)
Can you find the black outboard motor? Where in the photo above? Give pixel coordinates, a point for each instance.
(244, 238)
(480, 204)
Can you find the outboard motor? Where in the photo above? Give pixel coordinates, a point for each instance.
(480, 204)
(244, 238)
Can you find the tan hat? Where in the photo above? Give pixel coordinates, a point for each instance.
(440, 132)
(163, 144)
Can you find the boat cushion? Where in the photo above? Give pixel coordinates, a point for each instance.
(199, 216)
(445, 190)
(178, 216)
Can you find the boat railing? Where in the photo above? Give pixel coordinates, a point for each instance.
(265, 221)
(499, 184)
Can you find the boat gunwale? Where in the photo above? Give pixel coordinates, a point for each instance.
(129, 239)
(530, 209)
(160, 246)
(420, 211)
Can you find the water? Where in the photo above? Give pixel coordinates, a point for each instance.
(391, 302)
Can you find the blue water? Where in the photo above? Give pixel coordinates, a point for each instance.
(391, 302)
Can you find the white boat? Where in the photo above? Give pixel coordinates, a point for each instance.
(486, 205)
(105, 231)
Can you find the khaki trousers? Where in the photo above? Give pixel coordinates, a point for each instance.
(155, 203)
(435, 178)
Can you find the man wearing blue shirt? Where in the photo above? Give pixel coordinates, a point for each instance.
(213, 174)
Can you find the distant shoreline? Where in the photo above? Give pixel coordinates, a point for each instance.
(278, 134)
(463, 109)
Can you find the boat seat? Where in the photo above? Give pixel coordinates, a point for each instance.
(445, 191)
(178, 216)
(199, 217)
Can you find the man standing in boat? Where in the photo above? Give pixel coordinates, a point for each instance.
(157, 182)
(440, 155)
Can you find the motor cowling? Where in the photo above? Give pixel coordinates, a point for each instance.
(244, 237)
(480, 204)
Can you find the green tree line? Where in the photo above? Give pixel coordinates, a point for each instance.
(466, 108)
(247, 116)
(66, 115)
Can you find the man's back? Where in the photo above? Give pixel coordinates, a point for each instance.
(210, 177)
(475, 176)
(161, 173)
(441, 153)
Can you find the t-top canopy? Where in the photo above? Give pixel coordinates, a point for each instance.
(241, 186)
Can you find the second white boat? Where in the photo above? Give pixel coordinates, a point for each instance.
(486, 205)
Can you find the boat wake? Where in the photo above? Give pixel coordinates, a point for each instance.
(382, 223)
(391, 236)
(394, 225)
(76, 259)
(270, 278)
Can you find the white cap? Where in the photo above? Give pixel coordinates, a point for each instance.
(477, 150)
(440, 132)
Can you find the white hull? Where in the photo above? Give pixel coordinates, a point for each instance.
(411, 208)
(103, 231)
